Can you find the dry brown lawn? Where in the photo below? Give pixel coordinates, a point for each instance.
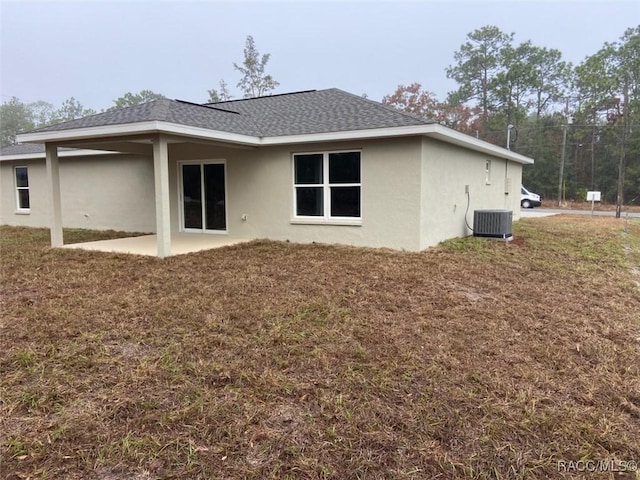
(476, 359)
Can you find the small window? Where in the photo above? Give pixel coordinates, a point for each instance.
(487, 169)
(327, 185)
(22, 189)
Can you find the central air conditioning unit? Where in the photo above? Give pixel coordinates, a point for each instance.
(493, 224)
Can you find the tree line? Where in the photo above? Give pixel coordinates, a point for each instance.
(578, 119)
(579, 122)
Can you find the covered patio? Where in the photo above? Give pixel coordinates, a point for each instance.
(181, 243)
(158, 130)
(153, 140)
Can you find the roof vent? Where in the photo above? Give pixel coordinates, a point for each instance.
(493, 223)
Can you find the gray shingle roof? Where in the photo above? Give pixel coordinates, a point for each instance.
(23, 149)
(314, 111)
(308, 112)
(172, 111)
(319, 111)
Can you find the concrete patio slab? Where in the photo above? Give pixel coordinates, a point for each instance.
(146, 245)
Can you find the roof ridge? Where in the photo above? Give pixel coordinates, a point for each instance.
(205, 105)
(160, 109)
(247, 116)
(260, 97)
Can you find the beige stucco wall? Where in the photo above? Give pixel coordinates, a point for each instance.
(38, 194)
(413, 192)
(446, 170)
(97, 192)
(260, 186)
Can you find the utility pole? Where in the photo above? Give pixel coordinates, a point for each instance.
(564, 144)
(623, 139)
(593, 156)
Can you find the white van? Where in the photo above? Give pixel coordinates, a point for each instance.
(529, 199)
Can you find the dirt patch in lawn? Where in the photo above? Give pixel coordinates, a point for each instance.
(475, 359)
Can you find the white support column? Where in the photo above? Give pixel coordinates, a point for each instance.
(53, 178)
(161, 176)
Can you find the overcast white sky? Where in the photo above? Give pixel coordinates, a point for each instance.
(96, 51)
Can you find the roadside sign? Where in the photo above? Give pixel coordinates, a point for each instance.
(593, 197)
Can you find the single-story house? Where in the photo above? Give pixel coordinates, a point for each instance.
(312, 166)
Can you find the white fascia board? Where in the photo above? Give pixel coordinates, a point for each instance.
(141, 128)
(88, 132)
(209, 134)
(449, 135)
(81, 152)
(347, 135)
(205, 133)
(433, 130)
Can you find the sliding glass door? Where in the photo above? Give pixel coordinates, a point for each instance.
(203, 197)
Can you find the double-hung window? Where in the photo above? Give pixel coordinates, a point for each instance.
(22, 189)
(327, 186)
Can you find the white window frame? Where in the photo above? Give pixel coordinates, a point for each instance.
(181, 226)
(19, 209)
(325, 219)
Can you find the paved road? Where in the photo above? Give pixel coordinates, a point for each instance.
(546, 212)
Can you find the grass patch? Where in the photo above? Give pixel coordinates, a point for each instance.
(476, 359)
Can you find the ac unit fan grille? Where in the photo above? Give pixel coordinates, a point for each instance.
(493, 223)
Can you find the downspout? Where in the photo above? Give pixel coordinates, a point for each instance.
(507, 184)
